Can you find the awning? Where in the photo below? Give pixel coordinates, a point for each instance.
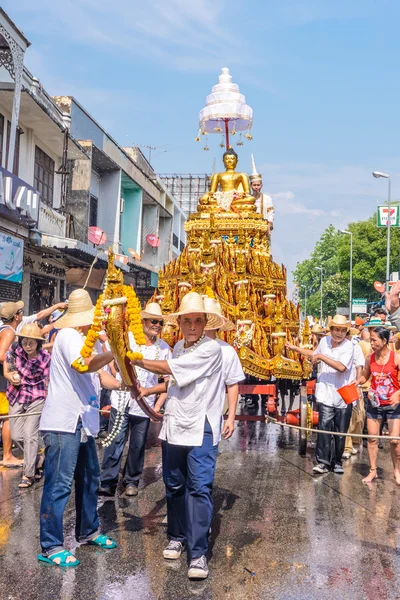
(79, 250)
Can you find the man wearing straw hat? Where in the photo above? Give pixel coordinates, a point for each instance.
(69, 422)
(191, 431)
(335, 356)
(134, 419)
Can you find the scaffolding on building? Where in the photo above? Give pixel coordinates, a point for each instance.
(187, 189)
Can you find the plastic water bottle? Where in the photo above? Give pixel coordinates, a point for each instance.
(93, 401)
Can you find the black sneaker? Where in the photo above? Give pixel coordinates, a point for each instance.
(173, 551)
(198, 568)
(320, 469)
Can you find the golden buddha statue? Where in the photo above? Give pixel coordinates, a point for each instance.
(234, 193)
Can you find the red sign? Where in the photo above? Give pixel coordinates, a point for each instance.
(96, 236)
(153, 240)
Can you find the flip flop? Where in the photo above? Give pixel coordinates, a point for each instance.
(101, 542)
(13, 465)
(26, 482)
(63, 554)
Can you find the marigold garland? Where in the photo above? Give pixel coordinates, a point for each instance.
(134, 320)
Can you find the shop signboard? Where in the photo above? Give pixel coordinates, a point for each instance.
(359, 306)
(20, 198)
(383, 216)
(11, 258)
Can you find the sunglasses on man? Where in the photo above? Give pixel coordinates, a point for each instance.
(157, 322)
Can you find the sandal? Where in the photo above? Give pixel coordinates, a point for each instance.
(39, 473)
(101, 542)
(63, 554)
(26, 482)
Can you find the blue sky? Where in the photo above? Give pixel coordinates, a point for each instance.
(321, 77)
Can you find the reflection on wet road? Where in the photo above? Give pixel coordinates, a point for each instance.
(277, 533)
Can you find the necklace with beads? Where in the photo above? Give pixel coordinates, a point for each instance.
(183, 350)
(121, 402)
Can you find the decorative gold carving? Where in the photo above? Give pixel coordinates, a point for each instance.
(228, 251)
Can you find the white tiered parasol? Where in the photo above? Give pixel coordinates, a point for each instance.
(226, 110)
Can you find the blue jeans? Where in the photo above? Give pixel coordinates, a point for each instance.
(112, 458)
(68, 459)
(188, 473)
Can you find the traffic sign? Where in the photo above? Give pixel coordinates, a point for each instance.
(383, 216)
(359, 305)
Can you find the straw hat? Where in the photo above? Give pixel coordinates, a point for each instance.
(10, 309)
(374, 322)
(212, 306)
(192, 302)
(318, 330)
(80, 311)
(354, 331)
(152, 311)
(31, 331)
(339, 321)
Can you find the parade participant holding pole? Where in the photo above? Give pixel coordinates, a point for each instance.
(69, 422)
(135, 419)
(191, 431)
(231, 367)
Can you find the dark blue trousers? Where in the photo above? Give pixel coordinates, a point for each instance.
(112, 458)
(188, 473)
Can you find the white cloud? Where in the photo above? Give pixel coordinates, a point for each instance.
(180, 33)
(286, 204)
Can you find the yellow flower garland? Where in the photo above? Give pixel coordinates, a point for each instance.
(134, 321)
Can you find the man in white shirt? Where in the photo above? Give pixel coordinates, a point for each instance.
(191, 431)
(264, 204)
(231, 367)
(135, 420)
(335, 356)
(69, 424)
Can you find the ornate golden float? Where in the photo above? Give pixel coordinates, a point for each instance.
(228, 255)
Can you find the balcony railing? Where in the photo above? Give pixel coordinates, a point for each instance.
(51, 221)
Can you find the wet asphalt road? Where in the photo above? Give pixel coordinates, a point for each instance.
(278, 533)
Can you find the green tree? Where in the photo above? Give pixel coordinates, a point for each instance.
(332, 253)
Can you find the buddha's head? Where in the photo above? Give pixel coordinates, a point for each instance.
(230, 159)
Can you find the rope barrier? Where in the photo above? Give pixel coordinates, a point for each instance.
(269, 419)
(35, 414)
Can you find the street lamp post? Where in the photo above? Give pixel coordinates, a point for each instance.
(351, 270)
(378, 174)
(305, 300)
(322, 272)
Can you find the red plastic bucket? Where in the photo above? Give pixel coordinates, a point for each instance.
(349, 393)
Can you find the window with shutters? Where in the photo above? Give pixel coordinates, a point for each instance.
(44, 175)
